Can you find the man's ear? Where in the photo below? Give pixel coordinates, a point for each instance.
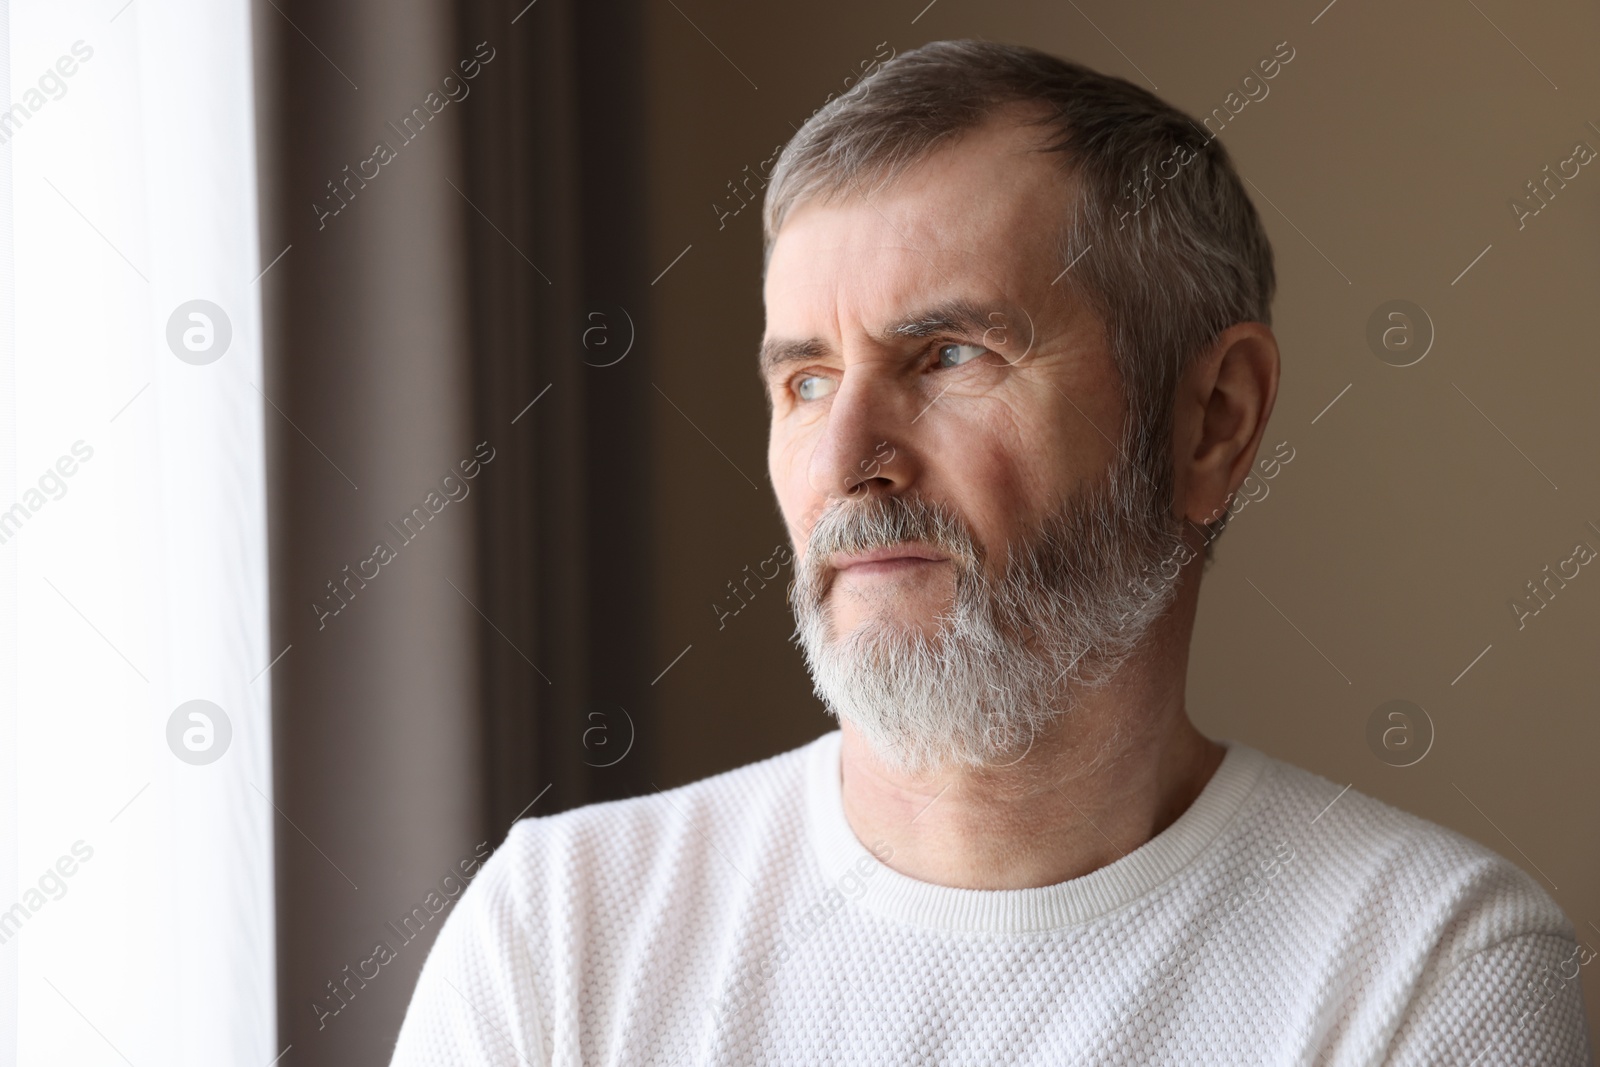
(1219, 415)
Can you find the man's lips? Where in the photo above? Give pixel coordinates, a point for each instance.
(884, 560)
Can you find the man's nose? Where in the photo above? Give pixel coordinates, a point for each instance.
(863, 445)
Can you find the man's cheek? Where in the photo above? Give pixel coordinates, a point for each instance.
(781, 456)
(1013, 453)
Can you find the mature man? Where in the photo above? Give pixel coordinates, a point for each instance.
(1018, 363)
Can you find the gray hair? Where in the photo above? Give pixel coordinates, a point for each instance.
(1168, 261)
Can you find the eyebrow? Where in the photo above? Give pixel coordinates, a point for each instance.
(960, 317)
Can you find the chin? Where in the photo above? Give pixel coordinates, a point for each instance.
(918, 609)
(871, 622)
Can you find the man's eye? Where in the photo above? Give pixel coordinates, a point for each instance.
(813, 387)
(955, 355)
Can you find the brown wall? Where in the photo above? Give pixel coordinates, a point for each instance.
(1416, 507)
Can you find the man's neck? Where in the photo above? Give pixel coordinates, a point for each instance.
(1102, 783)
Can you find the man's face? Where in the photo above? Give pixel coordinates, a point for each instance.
(927, 349)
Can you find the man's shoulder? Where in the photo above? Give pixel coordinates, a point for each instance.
(1375, 865)
(715, 826)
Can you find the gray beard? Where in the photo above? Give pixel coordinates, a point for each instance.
(1012, 655)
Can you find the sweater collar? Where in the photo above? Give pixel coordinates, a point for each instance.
(903, 899)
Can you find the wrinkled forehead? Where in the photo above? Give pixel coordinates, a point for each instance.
(980, 219)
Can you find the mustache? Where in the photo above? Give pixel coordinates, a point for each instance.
(852, 526)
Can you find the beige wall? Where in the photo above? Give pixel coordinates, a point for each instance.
(1407, 521)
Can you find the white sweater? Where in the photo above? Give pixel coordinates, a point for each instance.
(738, 920)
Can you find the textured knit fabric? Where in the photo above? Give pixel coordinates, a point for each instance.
(738, 920)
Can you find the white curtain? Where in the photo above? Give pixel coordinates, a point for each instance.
(136, 868)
